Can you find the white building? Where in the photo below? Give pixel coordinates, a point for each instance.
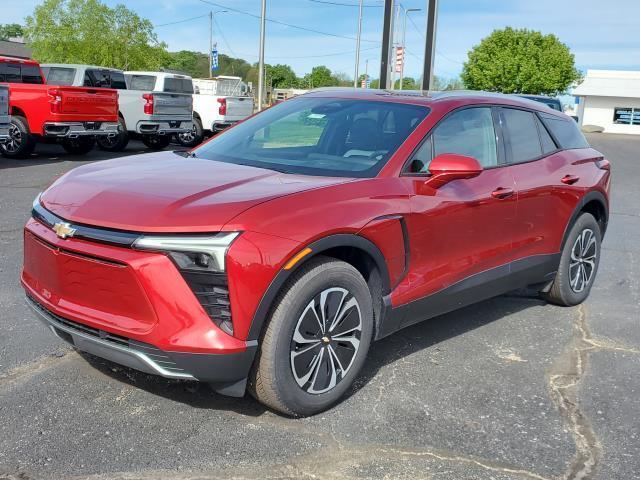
(610, 99)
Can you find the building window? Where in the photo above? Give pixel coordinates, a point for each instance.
(626, 115)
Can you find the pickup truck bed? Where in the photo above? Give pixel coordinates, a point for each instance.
(4, 113)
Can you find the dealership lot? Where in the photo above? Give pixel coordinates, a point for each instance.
(509, 388)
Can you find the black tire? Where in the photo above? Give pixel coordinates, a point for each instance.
(272, 380)
(569, 286)
(117, 143)
(156, 142)
(21, 143)
(79, 146)
(193, 138)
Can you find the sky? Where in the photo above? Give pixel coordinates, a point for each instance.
(601, 35)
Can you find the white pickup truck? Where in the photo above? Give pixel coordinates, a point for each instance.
(218, 103)
(5, 120)
(152, 105)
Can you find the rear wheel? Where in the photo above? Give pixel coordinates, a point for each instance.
(156, 142)
(21, 143)
(79, 146)
(578, 263)
(316, 340)
(118, 142)
(194, 137)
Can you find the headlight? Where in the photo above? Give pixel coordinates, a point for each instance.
(192, 252)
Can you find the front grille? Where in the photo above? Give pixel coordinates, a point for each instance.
(212, 291)
(158, 356)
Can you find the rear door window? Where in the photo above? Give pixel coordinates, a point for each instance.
(97, 78)
(141, 82)
(524, 140)
(31, 74)
(178, 85)
(468, 132)
(565, 131)
(60, 75)
(117, 80)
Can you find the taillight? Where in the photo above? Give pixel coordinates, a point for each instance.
(148, 106)
(222, 109)
(55, 99)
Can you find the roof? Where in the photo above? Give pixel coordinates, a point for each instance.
(78, 65)
(14, 49)
(609, 83)
(24, 61)
(425, 97)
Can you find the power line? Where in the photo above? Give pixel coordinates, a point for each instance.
(181, 21)
(278, 22)
(326, 2)
(224, 39)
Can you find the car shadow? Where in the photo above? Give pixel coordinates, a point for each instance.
(384, 352)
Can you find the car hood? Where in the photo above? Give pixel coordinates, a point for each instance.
(166, 192)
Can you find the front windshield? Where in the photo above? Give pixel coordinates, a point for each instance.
(318, 136)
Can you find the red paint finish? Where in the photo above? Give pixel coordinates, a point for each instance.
(454, 228)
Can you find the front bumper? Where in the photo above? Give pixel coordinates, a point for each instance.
(163, 127)
(80, 129)
(226, 372)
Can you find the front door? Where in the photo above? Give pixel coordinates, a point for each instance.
(461, 233)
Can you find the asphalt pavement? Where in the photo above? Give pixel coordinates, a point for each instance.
(511, 388)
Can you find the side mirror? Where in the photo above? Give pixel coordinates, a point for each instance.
(450, 166)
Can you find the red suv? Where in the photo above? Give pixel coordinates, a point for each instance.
(271, 256)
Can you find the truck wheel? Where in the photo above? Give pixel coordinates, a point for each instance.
(21, 143)
(79, 146)
(194, 137)
(156, 142)
(117, 143)
(316, 340)
(578, 263)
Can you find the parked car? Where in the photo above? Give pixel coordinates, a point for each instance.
(274, 254)
(5, 119)
(72, 116)
(217, 104)
(152, 106)
(551, 102)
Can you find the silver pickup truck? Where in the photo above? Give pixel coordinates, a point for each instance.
(5, 120)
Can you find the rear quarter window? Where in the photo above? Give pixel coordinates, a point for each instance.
(565, 131)
(10, 72)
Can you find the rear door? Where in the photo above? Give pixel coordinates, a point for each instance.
(539, 166)
(461, 233)
(89, 103)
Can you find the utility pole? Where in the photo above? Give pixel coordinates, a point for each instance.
(404, 44)
(355, 76)
(263, 17)
(386, 43)
(210, 43)
(430, 45)
(394, 44)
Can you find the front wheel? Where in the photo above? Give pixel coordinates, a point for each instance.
(316, 340)
(578, 263)
(79, 146)
(156, 142)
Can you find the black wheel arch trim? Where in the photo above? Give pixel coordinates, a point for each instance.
(593, 195)
(317, 247)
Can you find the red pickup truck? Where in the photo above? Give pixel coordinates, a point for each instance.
(72, 116)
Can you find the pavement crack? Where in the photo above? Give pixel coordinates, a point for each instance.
(565, 375)
(26, 371)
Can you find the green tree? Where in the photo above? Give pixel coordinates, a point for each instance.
(10, 30)
(520, 61)
(88, 31)
(319, 77)
(281, 76)
(443, 84)
(408, 83)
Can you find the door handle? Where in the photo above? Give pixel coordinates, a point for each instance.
(569, 179)
(502, 192)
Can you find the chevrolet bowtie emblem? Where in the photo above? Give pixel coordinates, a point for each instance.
(64, 230)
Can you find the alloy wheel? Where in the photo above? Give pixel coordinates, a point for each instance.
(326, 340)
(188, 136)
(15, 139)
(583, 260)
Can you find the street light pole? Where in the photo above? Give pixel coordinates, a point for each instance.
(404, 45)
(263, 17)
(210, 43)
(355, 76)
